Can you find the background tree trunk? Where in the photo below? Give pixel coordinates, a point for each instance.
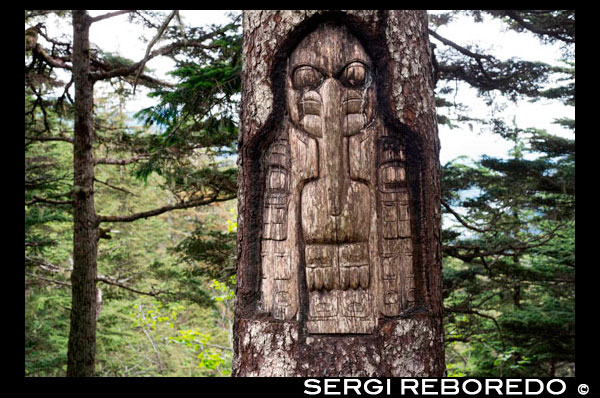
(410, 344)
(82, 335)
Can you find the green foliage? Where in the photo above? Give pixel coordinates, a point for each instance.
(186, 159)
(198, 117)
(135, 338)
(549, 26)
(47, 233)
(210, 253)
(213, 359)
(46, 329)
(227, 293)
(452, 371)
(180, 335)
(509, 265)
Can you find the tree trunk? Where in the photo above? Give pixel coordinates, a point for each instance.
(339, 253)
(82, 334)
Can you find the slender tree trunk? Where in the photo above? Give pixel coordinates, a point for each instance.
(281, 328)
(82, 334)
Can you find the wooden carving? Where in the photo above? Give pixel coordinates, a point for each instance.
(336, 204)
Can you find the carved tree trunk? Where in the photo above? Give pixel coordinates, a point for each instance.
(339, 267)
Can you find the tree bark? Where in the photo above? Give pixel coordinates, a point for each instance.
(408, 342)
(82, 334)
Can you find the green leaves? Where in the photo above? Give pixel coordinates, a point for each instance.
(220, 76)
(227, 293)
(46, 329)
(207, 87)
(209, 252)
(209, 357)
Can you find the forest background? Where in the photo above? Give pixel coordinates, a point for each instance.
(165, 142)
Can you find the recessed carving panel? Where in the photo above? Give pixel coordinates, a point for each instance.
(336, 205)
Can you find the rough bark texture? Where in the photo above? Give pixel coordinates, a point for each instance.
(405, 338)
(82, 334)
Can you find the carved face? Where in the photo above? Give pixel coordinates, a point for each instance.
(330, 85)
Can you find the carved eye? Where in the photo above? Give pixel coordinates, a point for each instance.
(306, 77)
(354, 75)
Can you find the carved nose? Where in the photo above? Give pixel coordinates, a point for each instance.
(333, 132)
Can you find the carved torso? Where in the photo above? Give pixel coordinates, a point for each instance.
(336, 206)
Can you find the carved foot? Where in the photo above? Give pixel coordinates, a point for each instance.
(354, 266)
(320, 267)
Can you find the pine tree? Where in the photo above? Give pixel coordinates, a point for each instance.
(88, 66)
(509, 241)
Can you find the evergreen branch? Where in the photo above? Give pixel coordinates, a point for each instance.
(491, 296)
(184, 43)
(37, 199)
(129, 70)
(104, 71)
(512, 14)
(45, 138)
(48, 279)
(160, 32)
(66, 94)
(110, 281)
(460, 49)
(164, 209)
(33, 183)
(42, 263)
(39, 101)
(38, 13)
(536, 241)
(53, 41)
(39, 244)
(478, 57)
(517, 246)
(122, 162)
(38, 51)
(149, 80)
(462, 221)
(109, 15)
(480, 314)
(166, 50)
(218, 346)
(114, 187)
